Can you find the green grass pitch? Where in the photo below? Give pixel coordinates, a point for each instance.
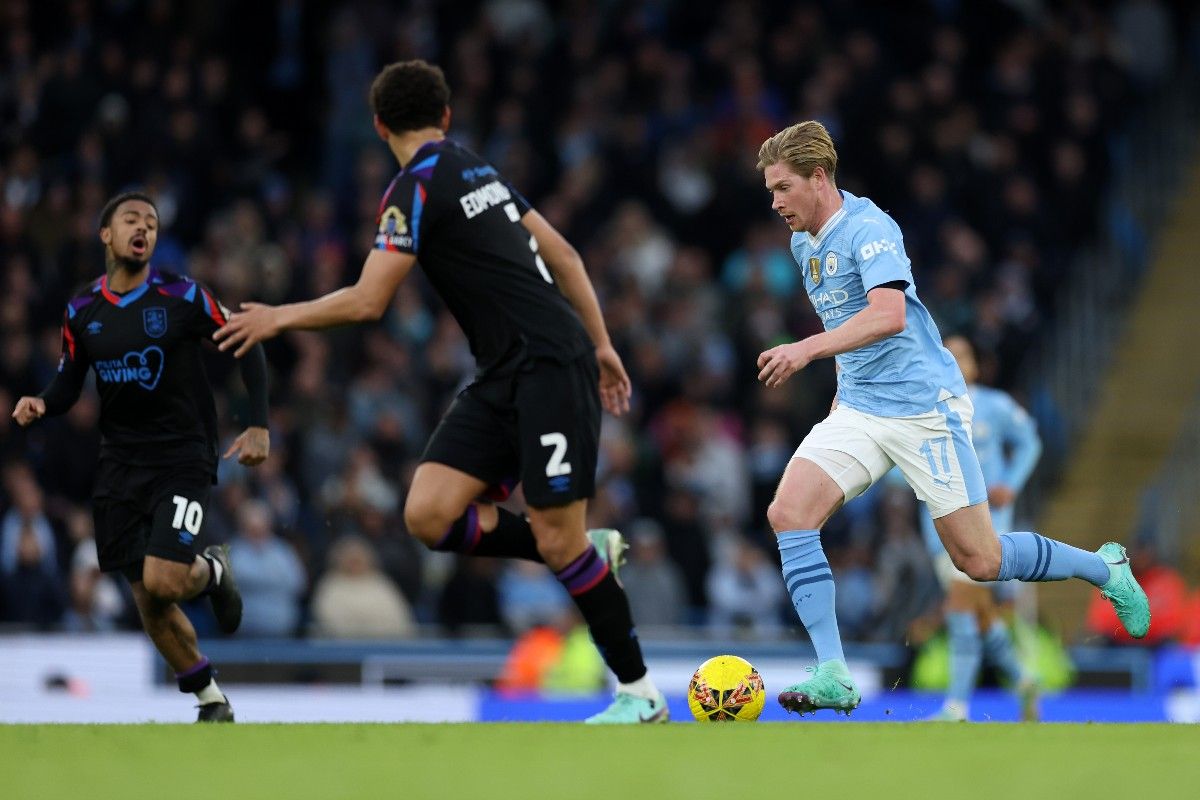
(533, 761)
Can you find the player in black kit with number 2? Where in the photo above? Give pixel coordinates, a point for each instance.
(545, 365)
(140, 330)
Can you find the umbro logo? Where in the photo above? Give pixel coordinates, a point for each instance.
(94, 327)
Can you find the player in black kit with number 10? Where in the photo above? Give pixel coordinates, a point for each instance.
(141, 330)
(545, 365)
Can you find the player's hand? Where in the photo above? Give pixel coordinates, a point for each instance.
(1000, 496)
(833, 405)
(780, 363)
(253, 324)
(615, 388)
(254, 445)
(29, 409)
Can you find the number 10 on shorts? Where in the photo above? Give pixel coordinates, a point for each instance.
(188, 515)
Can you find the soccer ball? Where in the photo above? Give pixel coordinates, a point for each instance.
(726, 689)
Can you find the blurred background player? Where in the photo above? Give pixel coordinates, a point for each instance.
(1006, 441)
(140, 330)
(521, 294)
(901, 400)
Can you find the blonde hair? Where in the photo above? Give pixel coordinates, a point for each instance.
(803, 147)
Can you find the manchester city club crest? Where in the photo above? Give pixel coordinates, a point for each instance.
(155, 321)
(814, 269)
(831, 264)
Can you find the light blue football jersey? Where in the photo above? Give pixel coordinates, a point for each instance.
(859, 248)
(1005, 436)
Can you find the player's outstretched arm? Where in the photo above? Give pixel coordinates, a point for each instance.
(64, 390)
(366, 300)
(566, 264)
(884, 316)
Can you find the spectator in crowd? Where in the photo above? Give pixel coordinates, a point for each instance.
(33, 593)
(469, 598)
(269, 573)
(530, 596)
(25, 529)
(354, 600)
(744, 592)
(996, 157)
(905, 584)
(653, 582)
(99, 602)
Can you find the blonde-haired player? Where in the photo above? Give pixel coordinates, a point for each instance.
(901, 401)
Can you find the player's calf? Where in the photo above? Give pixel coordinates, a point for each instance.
(171, 581)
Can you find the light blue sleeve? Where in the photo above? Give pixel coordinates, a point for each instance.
(1020, 435)
(879, 251)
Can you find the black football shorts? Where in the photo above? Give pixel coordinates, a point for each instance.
(539, 425)
(143, 511)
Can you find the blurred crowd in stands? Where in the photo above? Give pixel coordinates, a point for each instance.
(633, 126)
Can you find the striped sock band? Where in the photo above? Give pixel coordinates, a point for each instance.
(196, 677)
(463, 535)
(583, 573)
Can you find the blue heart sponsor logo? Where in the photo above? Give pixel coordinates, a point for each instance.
(144, 368)
(149, 365)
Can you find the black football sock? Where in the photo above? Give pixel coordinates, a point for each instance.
(511, 538)
(199, 680)
(605, 608)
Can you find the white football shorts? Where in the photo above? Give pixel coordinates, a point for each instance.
(932, 450)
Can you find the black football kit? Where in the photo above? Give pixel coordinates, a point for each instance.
(158, 420)
(533, 412)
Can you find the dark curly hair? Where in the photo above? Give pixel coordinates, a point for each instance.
(410, 95)
(110, 208)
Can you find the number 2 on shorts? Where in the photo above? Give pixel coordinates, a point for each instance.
(188, 515)
(555, 465)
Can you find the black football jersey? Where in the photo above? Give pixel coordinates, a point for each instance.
(156, 404)
(462, 220)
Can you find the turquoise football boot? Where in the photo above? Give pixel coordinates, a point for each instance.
(627, 709)
(611, 546)
(1124, 592)
(830, 686)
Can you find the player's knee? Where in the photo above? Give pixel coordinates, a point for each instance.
(426, 520)
(980, 566)
(789, 516)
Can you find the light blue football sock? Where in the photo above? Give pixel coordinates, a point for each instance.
(1032, 557)
(966, 654)
(810, 585)
(999, 650)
